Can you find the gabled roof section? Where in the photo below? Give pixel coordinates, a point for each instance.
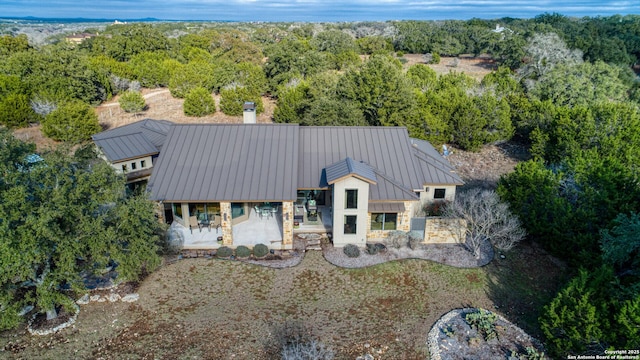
(386, 149)
(389, 189)
(227, 162)
(348, 167)
(141, 138)
(434, 167)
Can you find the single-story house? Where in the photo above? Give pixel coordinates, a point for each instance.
(364, 181)
(133, 149)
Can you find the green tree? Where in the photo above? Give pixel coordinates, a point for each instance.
(382, 92)
(72, 122)
(125, 41)
(374, 45)
(199, 102)
(63, 219)
(188, 77)
(132, 101)
(628, 324)
(570, 322)
(152, 69)
(580, 84)
(232, 99)
(621, 248)
(13, 44)
(422, 76)
(15, 111)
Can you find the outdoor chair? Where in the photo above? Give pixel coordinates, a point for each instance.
(193, 223)
(215, 223)
(257, 210)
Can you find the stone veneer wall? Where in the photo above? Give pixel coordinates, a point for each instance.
(227, 225)
(403, 222)
(443, 230)
(287, 225)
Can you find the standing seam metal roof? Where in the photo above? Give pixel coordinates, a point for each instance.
(144, 137)
(269, 162)
(220, 162)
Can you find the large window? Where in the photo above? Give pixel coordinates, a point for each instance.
(384, 221)
(439, 193)
(351, 199)
(205, 212)
(237, 210)
(350, 222)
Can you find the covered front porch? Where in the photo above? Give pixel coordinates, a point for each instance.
(212, 225)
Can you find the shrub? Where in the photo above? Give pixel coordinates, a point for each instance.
(435, 59)
(72, 122)
(199, 102)
(16, 111)
(396, 238)
(351, 251)
(233, 97)
(295, 341)
(414, 239)
(224, 252)
(484, 322)
(132, 101)
(260, 250)
(243, 251)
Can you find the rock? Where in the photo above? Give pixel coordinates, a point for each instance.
(130, 298)
(84, 300)
(94, 298)
(25, 310)
(101, 299)
(113, 297)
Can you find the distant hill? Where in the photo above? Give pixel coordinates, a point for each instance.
(32, 19)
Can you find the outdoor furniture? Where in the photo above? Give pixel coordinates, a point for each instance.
(274, 210)
(257, 210)
(193, 223)
(215, 222)
(266, 212)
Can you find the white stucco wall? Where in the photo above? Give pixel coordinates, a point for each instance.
(147, 164)
(339, 212)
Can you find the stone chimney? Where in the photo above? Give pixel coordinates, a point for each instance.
(249, 112)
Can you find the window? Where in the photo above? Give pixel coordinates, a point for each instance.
(143, 164)
(124, 168)
(133, 166)
(350, 222)
(351, 199)
(384, 221)
(439, 193)
(237, 210)
(177, 209)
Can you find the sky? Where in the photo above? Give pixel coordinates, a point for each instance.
(311, 10)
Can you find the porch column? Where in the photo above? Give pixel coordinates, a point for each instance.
(226, 223)
(287, 225)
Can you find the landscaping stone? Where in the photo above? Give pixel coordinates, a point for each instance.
(94, 298)
(84, 300)
(113, 297)
(130, 298)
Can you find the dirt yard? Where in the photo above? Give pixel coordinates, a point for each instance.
(476, 67)
(222, 309)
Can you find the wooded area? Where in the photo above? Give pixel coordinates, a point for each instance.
(565, 87)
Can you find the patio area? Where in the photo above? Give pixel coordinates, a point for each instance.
(323, 224)
(256, 230)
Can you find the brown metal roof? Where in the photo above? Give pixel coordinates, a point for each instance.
(386, 149)
(141, 138)
(386, 207)
(220, 162)
(269, 162)
(348, 167)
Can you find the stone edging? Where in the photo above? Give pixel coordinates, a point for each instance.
(113, 297)
(69, 322)
(432, 338)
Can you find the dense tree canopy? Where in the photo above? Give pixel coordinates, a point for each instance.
(62, 219)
